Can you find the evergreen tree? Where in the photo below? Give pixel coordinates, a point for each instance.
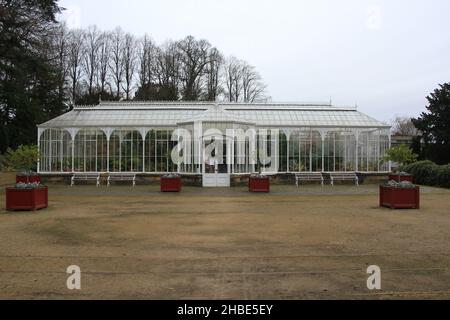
(435, 125)
(28, 76)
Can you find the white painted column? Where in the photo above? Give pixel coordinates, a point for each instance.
(143, 132)
(288, 139)
(310, 151)
(390, 146)
(61, 145)
(50, 150)
(378, 151)
(96, 151)
(323, 152)
(108, 132)
(367, 149)
(108, 138)
(120, 151)
(39, 149)
(143, 155)
(73, 154)
(73, 133)
(357, 151)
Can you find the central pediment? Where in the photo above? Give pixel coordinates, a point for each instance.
(216, 113)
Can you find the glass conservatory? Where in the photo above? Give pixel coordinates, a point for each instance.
(158, 138)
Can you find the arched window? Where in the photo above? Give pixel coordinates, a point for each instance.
(305, 151)
(125, 151)
(371, 150)
(90, 151)
(268, 150)
(55, 147)
(384, 146)
(244, 149)
(282, 152)
(340, 152)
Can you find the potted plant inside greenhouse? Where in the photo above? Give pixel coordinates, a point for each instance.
(259, 183)
(24, 161)
(26, 197)
(400, 155)
(171, 183)
(400, 195)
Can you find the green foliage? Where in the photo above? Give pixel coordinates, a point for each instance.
(435, 125)
(428, 173)
(401, 154)
(28, 75)
(24, 158)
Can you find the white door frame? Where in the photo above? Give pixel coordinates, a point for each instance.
(216, 179)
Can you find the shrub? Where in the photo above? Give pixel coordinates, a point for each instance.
(401, 154)
(24, 158)
(444, 176)
(428, 173)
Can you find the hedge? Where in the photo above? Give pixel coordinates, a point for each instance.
(428, 173)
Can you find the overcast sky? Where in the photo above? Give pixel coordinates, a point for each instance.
(385, 56)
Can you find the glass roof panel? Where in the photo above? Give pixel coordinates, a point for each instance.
(151, 115)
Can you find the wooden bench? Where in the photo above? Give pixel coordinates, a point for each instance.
(344, 176)
(122, 177)
(85, 177)
(308, 176)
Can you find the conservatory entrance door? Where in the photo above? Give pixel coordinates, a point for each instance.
(215, 175)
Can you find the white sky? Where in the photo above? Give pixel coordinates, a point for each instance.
(384, 55)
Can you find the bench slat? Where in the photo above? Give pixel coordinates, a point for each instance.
(122, 177)
(85, 177)
(344, 176)
(308, 176)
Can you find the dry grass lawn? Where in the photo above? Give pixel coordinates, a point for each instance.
(225, 244)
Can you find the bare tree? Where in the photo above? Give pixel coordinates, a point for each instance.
(233, 79)
(75, 59)
(167, 69)
(213, 75)
(60, 44)
(194, 57)
(116, 62)
(91, 56)
(252, 87)
(243, 83)
(103, 61)
(129, 63)
(147, 57)
(403, 126)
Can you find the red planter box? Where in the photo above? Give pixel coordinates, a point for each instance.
(400, 198)
(400, 178)
(28, 179)
(171, 184)
(259, 184)
(26, 199)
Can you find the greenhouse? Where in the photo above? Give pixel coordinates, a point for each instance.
(143, 137)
